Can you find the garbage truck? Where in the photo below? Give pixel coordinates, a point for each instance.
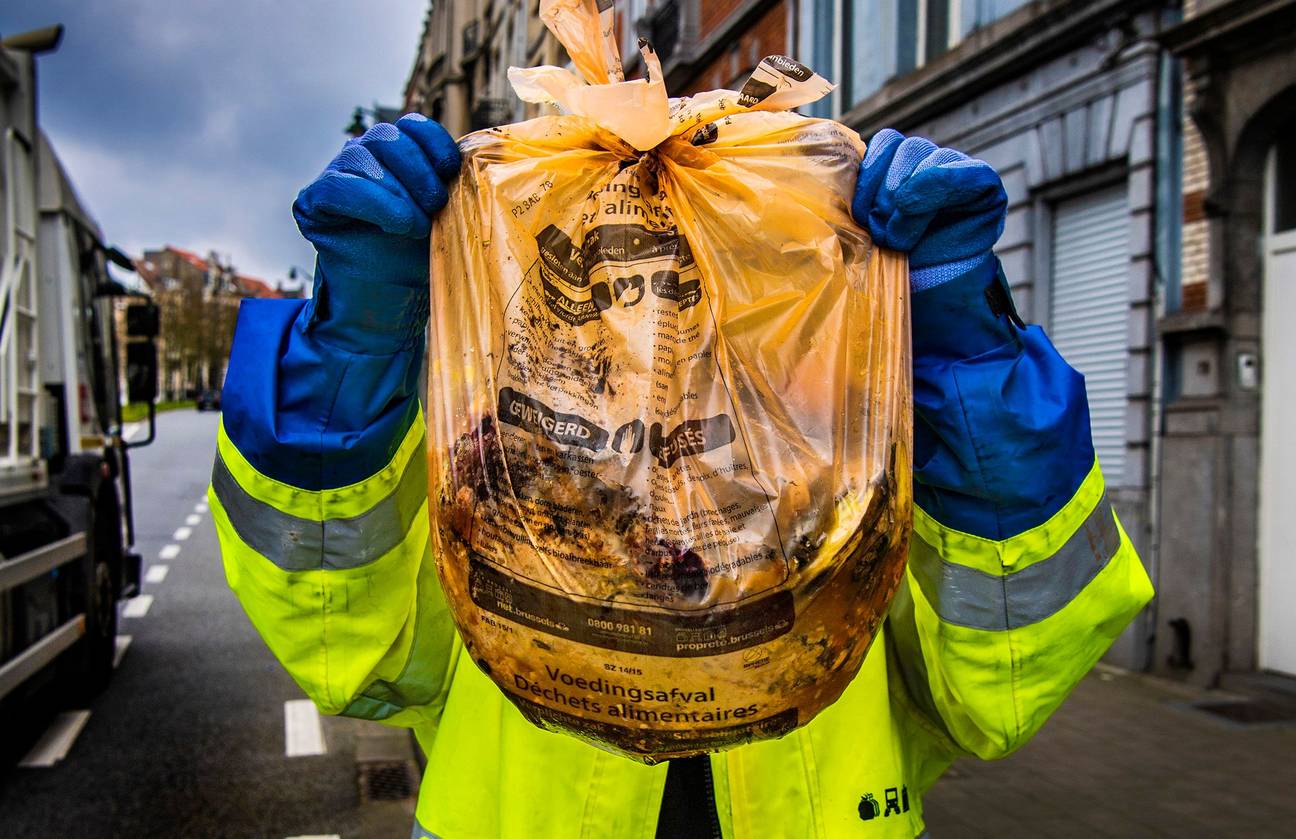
(66, 529)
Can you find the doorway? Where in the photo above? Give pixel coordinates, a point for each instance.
(1277, 543)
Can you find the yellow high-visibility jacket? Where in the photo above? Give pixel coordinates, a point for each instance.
(1019, 579)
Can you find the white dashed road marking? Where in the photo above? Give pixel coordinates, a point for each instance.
(193, 519)
(54, 744)
(156, 573)
(137, 607)
(130, 430)
(182, 533)
(200, 507)
(123, 641)
(169, 552)
(302, 732)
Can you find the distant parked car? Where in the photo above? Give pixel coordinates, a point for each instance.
(208, 400)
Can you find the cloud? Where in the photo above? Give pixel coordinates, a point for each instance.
(202, 210)
(196, 123)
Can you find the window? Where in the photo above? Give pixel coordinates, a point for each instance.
(517, 58)
(631, 11)
(862, 44)
(1283, 181)
(817, 23)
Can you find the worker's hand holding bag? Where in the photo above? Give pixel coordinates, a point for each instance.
(368, 216)
(942, 208)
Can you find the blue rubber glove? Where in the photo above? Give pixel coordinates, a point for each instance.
(369, 217)
(941, 207)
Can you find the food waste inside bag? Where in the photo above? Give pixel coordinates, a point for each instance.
(668, 405)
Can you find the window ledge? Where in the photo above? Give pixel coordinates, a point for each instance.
(984, 58)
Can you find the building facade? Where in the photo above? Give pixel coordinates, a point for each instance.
(1133, 139)
(1229, 554)
(460, 74)
(1075, 104)
(198, 299)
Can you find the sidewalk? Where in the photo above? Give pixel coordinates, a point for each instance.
(1126, 757)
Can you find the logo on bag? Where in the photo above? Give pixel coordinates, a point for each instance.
(565, 270)
(629, 438)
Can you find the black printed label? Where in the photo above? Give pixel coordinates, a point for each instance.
(654, 739)
(560, 257)
(622, 243)
(535, 416)
(570, 310)
(689, 438)
(674, 635)
(789, 67)
(754, 91)
(705, 135)
(667, 285)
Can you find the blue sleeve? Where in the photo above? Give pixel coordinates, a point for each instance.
(1001, 427)
(307, 413)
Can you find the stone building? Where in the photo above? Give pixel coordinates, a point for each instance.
(459, 76)
(1228, 576)
(1075, 104)
(198, 298)
(460, 73)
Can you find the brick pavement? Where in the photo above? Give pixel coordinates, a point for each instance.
(1125, 757)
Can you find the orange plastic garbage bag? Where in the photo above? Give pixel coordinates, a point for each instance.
(669, 405)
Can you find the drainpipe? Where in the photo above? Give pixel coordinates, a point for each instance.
(1166, 262)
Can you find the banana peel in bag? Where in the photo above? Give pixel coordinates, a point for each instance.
(669, 405)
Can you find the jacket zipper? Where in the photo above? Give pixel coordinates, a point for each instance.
(710, 797)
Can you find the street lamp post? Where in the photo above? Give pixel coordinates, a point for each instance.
(379, 113)
(304, 277)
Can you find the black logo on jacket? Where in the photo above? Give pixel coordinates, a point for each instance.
(897, 802)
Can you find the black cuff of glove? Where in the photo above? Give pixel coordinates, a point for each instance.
(371, 318)
(965, 317)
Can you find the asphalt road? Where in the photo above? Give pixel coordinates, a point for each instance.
(189, 739)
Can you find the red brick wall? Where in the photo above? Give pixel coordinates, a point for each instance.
(713, 12)
(768, 36)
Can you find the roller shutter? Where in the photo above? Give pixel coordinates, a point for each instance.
(1089, 311)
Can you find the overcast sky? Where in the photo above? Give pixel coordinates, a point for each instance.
(195, 122)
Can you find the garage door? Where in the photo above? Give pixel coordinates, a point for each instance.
(1089, 311)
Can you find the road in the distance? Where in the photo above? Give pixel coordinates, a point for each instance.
(189, 739)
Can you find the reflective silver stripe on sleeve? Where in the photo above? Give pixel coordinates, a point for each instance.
(421, 832)
(297, 544)
(972, 598)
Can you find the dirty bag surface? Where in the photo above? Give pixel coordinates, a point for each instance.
(668, 406)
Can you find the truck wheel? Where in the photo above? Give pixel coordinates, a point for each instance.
(89, 666)
(101, 630)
